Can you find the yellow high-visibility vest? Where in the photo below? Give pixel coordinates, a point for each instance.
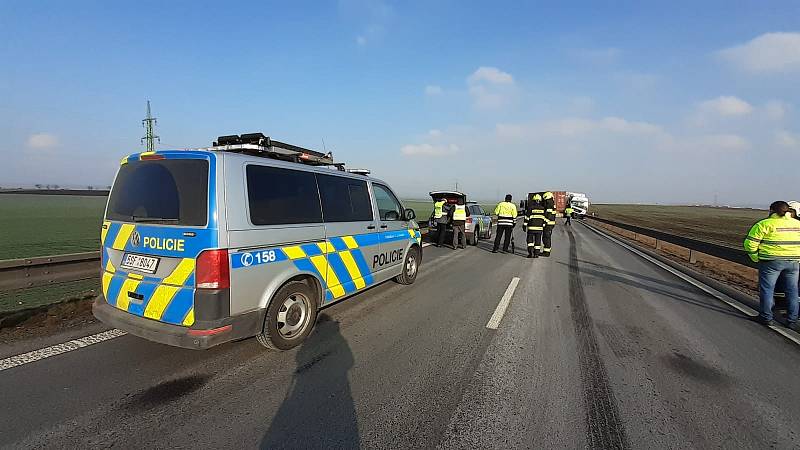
(460, 212)
(437, 209)
(774, 238)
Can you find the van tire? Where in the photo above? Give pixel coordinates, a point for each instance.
(407, 276)
(293, 299)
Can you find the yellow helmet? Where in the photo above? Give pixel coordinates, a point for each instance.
(536, 198)
(547, 195)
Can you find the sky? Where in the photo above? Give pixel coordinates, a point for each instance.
(645, 102)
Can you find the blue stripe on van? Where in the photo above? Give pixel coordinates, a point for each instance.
(362, 265)
(145, 289)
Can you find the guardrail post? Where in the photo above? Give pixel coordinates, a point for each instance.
(658, 244)
(692, 256)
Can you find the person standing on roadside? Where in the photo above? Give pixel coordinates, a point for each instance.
(550, 222)
(568, 214)
(506, 213)
(460, 214)
(774, 243)
(441, 216)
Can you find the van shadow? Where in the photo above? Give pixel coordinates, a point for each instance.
(318, 411)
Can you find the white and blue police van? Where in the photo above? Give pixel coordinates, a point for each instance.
(249, 237)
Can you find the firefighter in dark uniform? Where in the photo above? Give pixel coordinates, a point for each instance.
(550, 222)
(534, 223)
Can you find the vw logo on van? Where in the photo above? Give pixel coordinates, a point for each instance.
(135, 238)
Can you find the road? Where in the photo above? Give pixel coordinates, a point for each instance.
(598, 348)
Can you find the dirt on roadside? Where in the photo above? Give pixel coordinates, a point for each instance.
(46, 320)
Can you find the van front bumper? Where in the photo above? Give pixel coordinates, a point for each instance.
(211, 334)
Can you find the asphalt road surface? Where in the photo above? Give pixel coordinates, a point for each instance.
(598, 349)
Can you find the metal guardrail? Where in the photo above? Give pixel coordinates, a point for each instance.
(731, 254)
(44, 270)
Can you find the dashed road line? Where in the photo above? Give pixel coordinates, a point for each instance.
(494, 322)
(58, 349)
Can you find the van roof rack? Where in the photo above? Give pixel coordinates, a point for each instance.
(257, 144)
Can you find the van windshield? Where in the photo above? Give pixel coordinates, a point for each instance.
(169, 191)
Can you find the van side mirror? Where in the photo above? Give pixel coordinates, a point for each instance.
(410, 214)
(392, 215)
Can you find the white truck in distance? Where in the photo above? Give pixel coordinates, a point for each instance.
(579, 203)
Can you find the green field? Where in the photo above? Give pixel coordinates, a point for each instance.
(726, 226)
(38, 225)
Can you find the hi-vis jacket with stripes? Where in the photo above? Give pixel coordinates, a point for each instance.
(774, 238)
(506, 212)
(536, 220)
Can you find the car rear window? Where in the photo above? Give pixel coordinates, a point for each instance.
(168, 191)
(282, 196)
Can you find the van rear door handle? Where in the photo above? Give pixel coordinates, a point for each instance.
(384, 226)
(371, 227)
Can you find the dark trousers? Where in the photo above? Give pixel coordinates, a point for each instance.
(534, 242)
(569, 220)
(501, 230)
(441, 230)
(458, 230)
(547, 240)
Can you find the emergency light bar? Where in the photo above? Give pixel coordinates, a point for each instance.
(359, 171)
(257, 144)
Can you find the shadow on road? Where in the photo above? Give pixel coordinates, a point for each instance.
(318, 411)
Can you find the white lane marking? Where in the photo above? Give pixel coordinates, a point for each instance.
(746, 310)
(425, 244)
(494, 322)
(58, 349)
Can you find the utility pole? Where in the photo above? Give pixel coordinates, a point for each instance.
(149, 124)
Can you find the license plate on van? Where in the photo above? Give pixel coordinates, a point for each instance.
(146, 264)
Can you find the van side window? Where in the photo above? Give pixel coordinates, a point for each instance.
(281, 196)
(388, 206)
(344, 199)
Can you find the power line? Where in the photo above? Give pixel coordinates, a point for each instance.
(149, 124)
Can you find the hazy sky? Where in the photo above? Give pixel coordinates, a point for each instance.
(627, 101)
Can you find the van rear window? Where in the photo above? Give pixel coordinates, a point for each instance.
(168, 191)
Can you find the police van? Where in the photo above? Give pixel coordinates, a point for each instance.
(249, 237)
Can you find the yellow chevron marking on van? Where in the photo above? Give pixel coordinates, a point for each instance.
(328, 275)
(122, 237)
(159, 301)
(104, 232)
(109, 266)
(326, 247)
(350, 242)
(129, 285)
(106, 281)
(146, 154)
(294, 252)
(123, 161)
(181, 273)
(352, 269)
(412, 233)
(135, 276)
(189, 320)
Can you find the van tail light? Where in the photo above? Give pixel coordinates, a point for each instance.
(212, 270)
(469, 220)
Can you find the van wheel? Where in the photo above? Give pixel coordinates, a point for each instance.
(290, 317)
(410, 267)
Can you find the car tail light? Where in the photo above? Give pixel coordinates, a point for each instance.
(212, 270)
(469, 220)
(151, 157)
